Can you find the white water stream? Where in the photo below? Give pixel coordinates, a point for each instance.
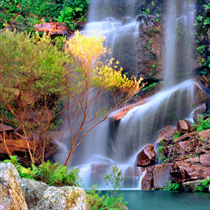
(141, 125)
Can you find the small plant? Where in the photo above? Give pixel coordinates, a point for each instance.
(162, 156)
(50, 173)
(202, 124)
(172, 186)
(114, 179)
(204, 185)
(153, 66)
(176, 135)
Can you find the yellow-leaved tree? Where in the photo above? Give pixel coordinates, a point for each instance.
(93, 88)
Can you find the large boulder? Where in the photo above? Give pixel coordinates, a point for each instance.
(11, 194)
(146, 156)
(23, 194)
(183, 126)
(38, 195)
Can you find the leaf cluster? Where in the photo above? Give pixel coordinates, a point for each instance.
(49, 173)
(172, 186)
(114, 200)
(114, 179)
(204, 185)
(202, 124)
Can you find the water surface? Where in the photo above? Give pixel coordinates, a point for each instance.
(165, 200)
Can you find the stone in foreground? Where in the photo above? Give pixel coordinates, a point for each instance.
(11, 194)
(24, 194)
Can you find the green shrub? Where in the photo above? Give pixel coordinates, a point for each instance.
(177, 135)
(112, 201)
(204, 185)
(202, 124)
(49, 173)
(172, 186)
(114, 179)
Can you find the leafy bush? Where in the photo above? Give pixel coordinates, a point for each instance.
(204, 185)
(177, 135)
(25, 11)
(50, 173)
(73, 10)
(114, 179)
(172, 186)
(162, 157)
(202, 124)
(107, 201)
(32, 72)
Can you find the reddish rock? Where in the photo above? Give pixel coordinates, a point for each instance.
(186, 136)
(178, 174)
(165, 135)
(53, 28)
(16, 146)
(147, 181)
(205, 135)
(146, 156)
(183, 126)
(119, 114)
(182, 171)
(5, 128)
(205, 159)
(192, 160)
(206, 172)
(161, 175)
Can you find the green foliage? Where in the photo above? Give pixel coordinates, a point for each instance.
(27, 13)
(162, 157)
(112, 201)
(153, 66)
(97, 202)
(50, 173)
(73, 10)
(204, 185)
(172, 186)
(32, 63)
(177, 135)
(202, 124)
(114, 179)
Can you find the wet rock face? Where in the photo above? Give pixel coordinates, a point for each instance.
(146, 156)
(156, 176)
(161, 175)
(149, 47)
(147, 182)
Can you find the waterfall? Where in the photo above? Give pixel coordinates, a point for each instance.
(100, 149)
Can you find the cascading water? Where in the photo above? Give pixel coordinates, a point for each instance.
(140, 125)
